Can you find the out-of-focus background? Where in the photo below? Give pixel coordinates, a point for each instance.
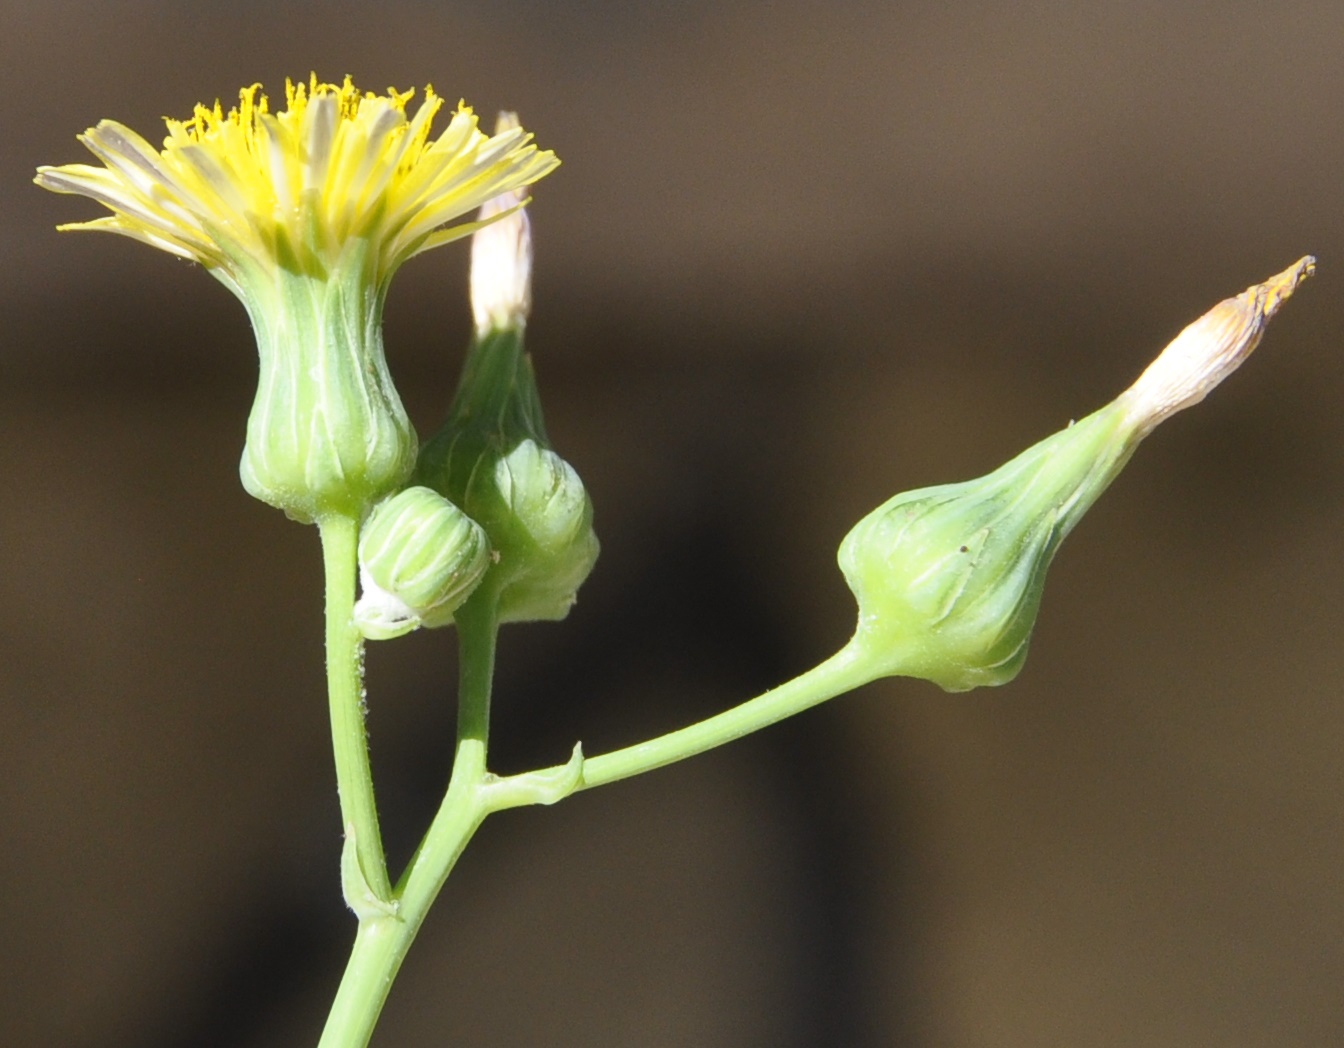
(799, 257)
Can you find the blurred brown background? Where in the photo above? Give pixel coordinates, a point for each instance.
(799, 257)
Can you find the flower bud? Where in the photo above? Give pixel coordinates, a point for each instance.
(545, 521)
(949, 579)
(420, 557)
(492, 457)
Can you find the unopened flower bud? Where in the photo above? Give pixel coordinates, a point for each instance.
(493, 458)
(498, 465)
(949, 579)
(545, 520)
(420, 557)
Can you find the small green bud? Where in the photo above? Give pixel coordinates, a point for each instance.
(420, 557)
(545, 522)
(327, 432)
(949, 579)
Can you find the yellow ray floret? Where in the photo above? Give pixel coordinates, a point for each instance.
(338, 166)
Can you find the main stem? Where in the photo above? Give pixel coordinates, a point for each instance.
(345, 691)
(382, 941)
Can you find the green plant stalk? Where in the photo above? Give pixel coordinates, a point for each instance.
(844, 671)
(345, 692)
(382, 940)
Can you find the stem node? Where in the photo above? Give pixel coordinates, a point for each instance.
(547, 786)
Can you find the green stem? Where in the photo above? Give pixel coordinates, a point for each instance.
(345, 673)
(382, 940)
(477, 629)
(845, 670)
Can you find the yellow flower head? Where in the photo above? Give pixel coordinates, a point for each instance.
(305, 215)
(297, 188)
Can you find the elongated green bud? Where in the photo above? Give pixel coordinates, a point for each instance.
(949, 579)
(493, 458)
(420, 557)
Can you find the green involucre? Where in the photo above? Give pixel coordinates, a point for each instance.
(493, 459)
(949, 579)
(327, 433)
